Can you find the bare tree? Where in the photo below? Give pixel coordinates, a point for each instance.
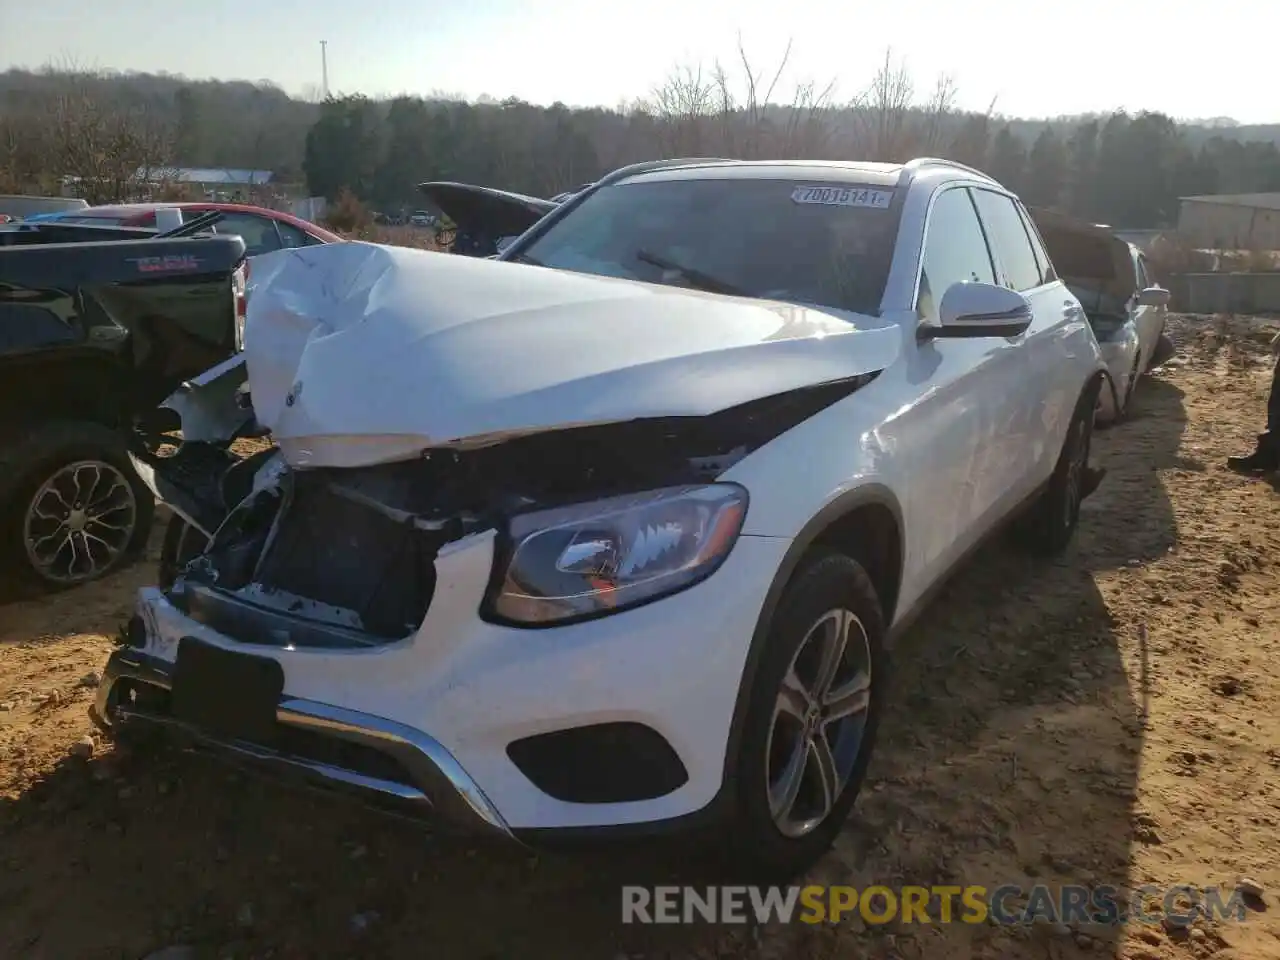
(23, 168)
(106, 150)
(885, 113)
(725, 113)
(940, 107)
(683, 106)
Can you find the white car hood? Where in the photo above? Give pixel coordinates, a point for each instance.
(359, 354)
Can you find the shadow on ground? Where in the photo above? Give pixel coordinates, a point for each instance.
(1010, 755)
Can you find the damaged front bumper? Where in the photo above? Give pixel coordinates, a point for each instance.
(432, 724)
(323, 745)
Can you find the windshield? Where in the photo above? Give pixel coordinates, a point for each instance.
(821, 244)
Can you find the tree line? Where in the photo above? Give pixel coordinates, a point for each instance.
(1126, 169)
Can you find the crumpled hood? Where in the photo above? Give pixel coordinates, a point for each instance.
(360, 354)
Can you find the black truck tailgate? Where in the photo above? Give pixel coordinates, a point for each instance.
(116, 323)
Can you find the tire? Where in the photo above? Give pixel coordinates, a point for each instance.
(54, 462)
(182, 544)
(1130, 389)
(1163, 353)
(764, 843)
(1049, 524)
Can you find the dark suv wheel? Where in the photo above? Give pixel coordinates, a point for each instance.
(78, 510)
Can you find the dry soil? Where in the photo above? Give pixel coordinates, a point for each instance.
(1111, 717)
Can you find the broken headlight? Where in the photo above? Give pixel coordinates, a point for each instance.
(589, 559)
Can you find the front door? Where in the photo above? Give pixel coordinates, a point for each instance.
(1034, 380)
(955, 427)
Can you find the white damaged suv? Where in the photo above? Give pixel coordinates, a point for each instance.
(613, 534)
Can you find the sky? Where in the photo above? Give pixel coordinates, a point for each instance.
(1032, 58)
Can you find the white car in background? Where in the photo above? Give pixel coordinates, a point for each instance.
(614, 534)
(1126, 308)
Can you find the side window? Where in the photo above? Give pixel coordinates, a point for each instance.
(1047, 273)
(1144, 278)
(291, 236)
(258, 233)
(1009, 242)
(955, 251)
(29, 326)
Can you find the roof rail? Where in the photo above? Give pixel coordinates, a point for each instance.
(919, 162)
(648, 166)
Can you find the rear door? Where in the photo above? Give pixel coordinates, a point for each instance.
(1031, 370)
(1148, 321)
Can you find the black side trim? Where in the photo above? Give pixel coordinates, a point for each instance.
(1014, 326)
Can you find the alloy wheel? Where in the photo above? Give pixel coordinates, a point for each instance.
(819, 719)
(79, 522)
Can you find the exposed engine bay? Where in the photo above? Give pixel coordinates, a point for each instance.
(414, 404)
(344, 557)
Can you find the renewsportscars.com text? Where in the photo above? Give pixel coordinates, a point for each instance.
(1004, 905)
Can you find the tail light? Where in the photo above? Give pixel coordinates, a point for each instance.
(239, 291)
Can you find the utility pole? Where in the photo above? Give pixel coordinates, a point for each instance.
(324, 69)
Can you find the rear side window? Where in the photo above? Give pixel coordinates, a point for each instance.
(1010, 244)
(1047, 273)
(258, 233)
(28, 326)
(1144, 279)
(291, 236)
(955, 251)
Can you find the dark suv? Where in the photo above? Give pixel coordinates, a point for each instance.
(97, 327)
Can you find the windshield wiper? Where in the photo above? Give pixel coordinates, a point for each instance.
(696, 278)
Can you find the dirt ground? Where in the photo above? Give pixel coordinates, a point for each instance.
(1112, 717)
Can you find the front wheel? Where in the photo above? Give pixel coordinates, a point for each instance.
(812, 719)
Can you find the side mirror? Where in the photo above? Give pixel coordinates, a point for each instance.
(1154, 297)
(980, 310)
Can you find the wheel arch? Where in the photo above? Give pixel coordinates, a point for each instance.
(866, 524)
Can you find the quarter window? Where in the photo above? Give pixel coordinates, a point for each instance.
(1144, 279)
(955, 251)
(258, 233)
(1047, 274)
(1009, 241)
(293, 237)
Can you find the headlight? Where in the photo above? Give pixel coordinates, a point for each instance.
(570, 563)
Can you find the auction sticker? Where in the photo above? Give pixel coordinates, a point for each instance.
(843, 196)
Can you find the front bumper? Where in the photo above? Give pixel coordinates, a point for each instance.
(434, 784)
(674, 666)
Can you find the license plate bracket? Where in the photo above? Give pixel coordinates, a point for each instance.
(225, 693)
